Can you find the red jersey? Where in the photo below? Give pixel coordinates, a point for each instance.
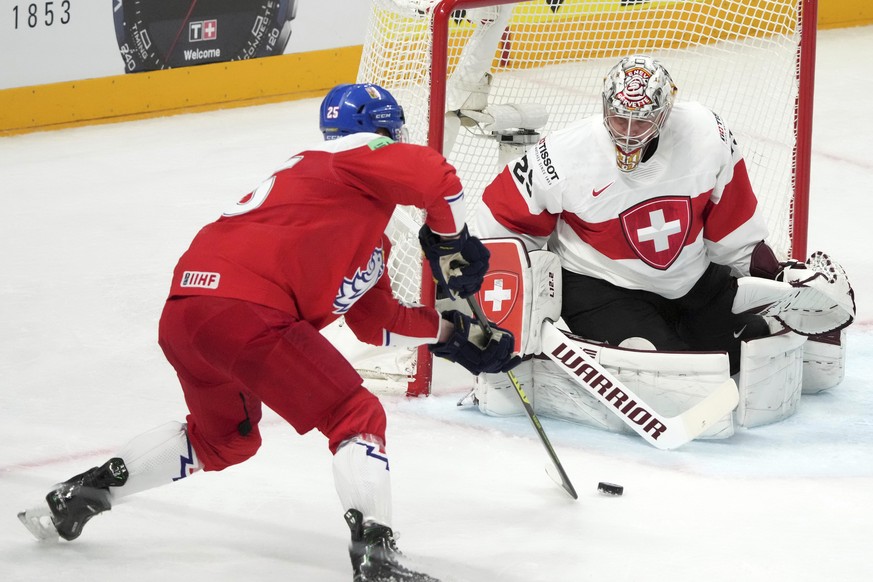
(310, 239)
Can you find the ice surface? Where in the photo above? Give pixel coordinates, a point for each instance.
(95, 219)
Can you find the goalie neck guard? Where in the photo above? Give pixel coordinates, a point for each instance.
(361, 107)
(638, 94)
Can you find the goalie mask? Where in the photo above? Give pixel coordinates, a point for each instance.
(361, 107)
(638, 95)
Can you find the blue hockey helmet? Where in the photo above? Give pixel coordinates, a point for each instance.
(355, 108)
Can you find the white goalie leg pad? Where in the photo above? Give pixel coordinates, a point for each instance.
(157, 457)
(544, 293)
(560, 397)
(824, 361)
(668, 382)
(770, 379)
(496, 396)
(362, 478)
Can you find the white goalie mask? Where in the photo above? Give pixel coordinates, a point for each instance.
(638, 95)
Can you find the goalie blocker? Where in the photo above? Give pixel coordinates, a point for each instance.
(640, 391)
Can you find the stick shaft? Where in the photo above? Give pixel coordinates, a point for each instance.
(528, 408)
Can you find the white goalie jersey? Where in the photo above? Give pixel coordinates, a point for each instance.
(656, 228)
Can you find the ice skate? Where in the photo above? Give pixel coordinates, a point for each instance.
(70, 505)
(375, 557)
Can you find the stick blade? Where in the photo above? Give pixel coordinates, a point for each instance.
(559, 476)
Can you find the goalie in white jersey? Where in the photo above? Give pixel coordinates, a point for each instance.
(652, 213)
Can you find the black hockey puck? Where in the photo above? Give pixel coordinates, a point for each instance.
(609, 488)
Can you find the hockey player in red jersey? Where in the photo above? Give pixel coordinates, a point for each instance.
(248, 298)
(651, 211)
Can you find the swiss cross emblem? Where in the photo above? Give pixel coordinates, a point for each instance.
(499, 293)
(657, 229)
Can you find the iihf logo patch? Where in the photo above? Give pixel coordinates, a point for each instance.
(200, 279)
(354, 288)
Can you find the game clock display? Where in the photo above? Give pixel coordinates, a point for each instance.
(162, 34)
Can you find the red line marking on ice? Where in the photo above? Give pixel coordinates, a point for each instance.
(55, 460)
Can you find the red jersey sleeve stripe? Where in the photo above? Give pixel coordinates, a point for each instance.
(510, 210)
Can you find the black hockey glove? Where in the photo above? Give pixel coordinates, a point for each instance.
(458, 265)
(470, 347)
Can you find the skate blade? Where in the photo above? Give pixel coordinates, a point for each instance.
(38, 521)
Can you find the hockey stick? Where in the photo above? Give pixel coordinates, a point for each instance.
(565, 480)
(663, 432)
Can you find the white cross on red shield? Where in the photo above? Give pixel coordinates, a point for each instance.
(658, 229)
(501, 295)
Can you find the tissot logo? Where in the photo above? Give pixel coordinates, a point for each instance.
(203, 30)
(545, 162)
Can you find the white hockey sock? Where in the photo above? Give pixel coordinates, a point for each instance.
(362, 478)
(159, 456)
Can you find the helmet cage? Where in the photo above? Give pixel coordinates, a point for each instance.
(638, 96)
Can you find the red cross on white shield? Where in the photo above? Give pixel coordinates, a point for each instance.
(657, 229)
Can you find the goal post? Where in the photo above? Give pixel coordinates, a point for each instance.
(466, 70)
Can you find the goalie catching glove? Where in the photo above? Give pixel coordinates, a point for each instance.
(809, 298)
(471, 347)
(458, 265)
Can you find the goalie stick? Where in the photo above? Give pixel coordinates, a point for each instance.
(562, 474)
(663, 432)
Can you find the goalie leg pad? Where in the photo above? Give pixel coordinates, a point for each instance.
(770, 379)
(824, 361)
(545, 297)
(496, 396)
(669, 382)
(560, 397)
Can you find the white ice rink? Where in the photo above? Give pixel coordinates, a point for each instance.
(94, 221)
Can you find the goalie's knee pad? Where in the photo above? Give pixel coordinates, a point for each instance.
(770, 379)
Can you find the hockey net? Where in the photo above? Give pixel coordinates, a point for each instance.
(751, 61)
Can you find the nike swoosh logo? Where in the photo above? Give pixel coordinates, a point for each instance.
(737, 334)
(596, 193)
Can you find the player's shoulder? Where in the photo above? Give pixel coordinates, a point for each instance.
(579, 131)
(700, 123)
